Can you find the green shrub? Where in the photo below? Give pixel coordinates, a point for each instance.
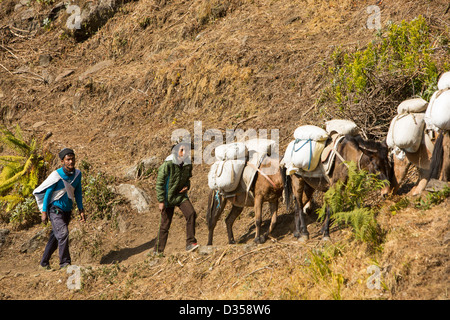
(98, 198)
(432, 199)
(346, 204)
(366, 85)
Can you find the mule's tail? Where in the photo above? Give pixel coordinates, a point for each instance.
(287, 186)
(437, 157)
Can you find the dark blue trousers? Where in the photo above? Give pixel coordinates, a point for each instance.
(59, 237)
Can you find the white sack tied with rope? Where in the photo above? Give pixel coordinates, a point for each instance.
(224, 176)
(437, 115)
(406, 131)
(304, 152)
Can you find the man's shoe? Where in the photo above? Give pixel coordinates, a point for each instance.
(191, 247)
(64, 266)
(46, 268)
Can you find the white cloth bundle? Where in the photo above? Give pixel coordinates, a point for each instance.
(415, 105)
(438, 111)
(405, 131)
(231, 151)
(224, 176)
(341, 127)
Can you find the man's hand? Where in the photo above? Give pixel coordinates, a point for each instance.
(184, 190)
(44, 217)
(82, 216)
(161, 206)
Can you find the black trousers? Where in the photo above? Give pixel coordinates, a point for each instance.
(59, 237)
(166, 219)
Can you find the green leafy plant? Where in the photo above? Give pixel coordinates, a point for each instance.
(346, 204)
(319, 269)
(20, 172)
(98, 198)
(24, 212)
(432, 199)
(367, 84)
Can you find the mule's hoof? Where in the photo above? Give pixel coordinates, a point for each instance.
(260, 240)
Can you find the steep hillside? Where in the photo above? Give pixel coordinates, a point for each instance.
(117, 94)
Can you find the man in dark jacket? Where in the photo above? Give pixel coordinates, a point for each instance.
(172, 185)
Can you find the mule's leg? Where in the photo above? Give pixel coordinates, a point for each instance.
(259, 238)
(422, 183)
(298, 185)
(273, 212)
(303, 234)
(229, 221)
(216, 212)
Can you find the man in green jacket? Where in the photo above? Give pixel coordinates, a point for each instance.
(172, 185)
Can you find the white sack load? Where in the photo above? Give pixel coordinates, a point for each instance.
(341, 127)
(412, 106)
(225, 175)
(438, 111)
(261, 146)
(406, 131)
(304, 154)
(231, 151)
(309, 132)
(444, 81)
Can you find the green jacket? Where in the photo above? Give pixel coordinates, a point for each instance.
(171, 179)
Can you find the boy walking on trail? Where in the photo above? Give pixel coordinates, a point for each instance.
(55, 198)
(172, 185)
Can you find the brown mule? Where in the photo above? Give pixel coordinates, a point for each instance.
(266, 188)
(421, 159)
(432, 160)
(368, 155)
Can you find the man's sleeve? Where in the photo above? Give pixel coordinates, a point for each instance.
(160, 182)
(79, 194)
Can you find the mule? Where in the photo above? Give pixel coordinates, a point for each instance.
(422, 160)
(266, 188)
(368, 155)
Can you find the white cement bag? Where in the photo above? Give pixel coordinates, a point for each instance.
(304, 154)
(225, 175)
(438, 111)
(309, 132)
(412, 106)
(231, 151)
(261, 146)
(341, 127)
(405, 131)
(444, 81)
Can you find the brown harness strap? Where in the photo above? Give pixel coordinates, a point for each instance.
(262, 173)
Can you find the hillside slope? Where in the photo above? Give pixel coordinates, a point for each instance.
(157, 66)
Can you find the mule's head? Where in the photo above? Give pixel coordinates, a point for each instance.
(375, 159)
